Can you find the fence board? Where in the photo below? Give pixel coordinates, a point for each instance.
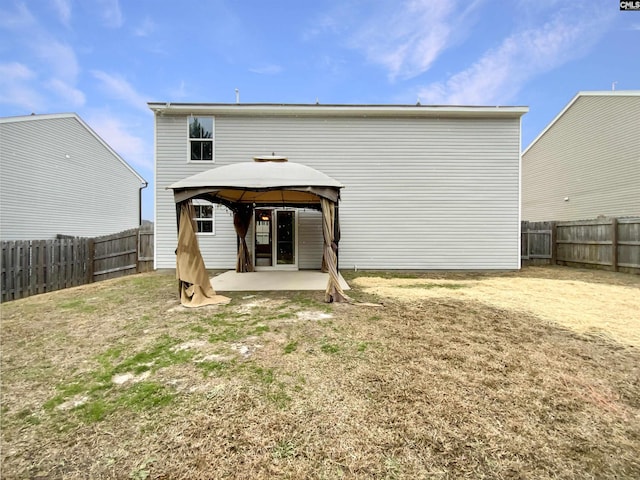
(54, 279)
(38, 266)
(8, 269)
(145, 249)
(20, 274)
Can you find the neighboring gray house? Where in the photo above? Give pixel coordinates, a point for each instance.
(586, 162)
(425, 187)
(59, 177)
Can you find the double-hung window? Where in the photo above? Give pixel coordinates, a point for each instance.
(200, 139)
(204, 217)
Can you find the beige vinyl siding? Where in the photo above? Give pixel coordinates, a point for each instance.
(421, 193)
(591, 154)
(58, 178)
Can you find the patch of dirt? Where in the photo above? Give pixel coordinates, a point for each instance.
(74, 402)
(213, 357)
(247, 348)
(313, 316)
(191, 345)
(130, 378)
(264, 303)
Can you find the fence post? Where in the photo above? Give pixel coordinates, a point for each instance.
(138, 248)
(554, 243)
(91, 260)
(524, 240)
(614, 244)
(32, 267)
(19, 284)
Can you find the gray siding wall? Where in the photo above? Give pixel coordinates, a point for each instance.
(591, 155)
(44, 193)
(421, 193)
(310, 242)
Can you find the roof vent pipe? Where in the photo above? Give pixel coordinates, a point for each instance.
(237, 96)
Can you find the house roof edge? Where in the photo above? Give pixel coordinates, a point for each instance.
(583, 93)
(336, 109)
(53, 116)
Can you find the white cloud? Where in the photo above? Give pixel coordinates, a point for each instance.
(409, 38)
(325, 23)
(15, 71)
(267, 69)
(500, 73)
(60, 57)
(68, 93)
(146, 28)
(18, 20)
(16, 88)
(180, 92)
(119, 135)
(111, 13)
(53, 65)
(63, 8)
(119, 88)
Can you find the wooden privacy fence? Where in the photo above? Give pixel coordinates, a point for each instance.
(536, 242)
(122, 253)
(30, 267)
(609, 243)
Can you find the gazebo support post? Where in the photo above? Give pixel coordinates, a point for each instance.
(336, 235)
(178, 208)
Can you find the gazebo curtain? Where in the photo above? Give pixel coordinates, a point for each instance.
(195, 286)
(334, 292)
(241, 221)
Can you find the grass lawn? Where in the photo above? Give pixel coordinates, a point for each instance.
(528, 375)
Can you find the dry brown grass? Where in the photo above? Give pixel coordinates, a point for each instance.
(587, 301)
(429, 386)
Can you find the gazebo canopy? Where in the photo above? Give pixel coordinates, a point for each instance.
(267, 180)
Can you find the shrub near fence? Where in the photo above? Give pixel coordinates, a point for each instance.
(30, 267)
(608, 243)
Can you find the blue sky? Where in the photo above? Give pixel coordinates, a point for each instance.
(104, 59)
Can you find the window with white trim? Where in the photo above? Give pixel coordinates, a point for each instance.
(200, 139)
(204, 217)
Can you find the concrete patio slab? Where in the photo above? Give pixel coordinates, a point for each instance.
(232, 281)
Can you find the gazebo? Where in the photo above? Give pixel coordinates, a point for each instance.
(268, 181)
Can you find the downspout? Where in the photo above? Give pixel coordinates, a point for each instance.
(138, 244)
(144, 185)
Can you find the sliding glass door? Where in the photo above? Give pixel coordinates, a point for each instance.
(275, 239)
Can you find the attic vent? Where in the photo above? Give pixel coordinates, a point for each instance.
(270, 158)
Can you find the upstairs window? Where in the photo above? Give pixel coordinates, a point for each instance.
(201, 139)
(204, 216)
